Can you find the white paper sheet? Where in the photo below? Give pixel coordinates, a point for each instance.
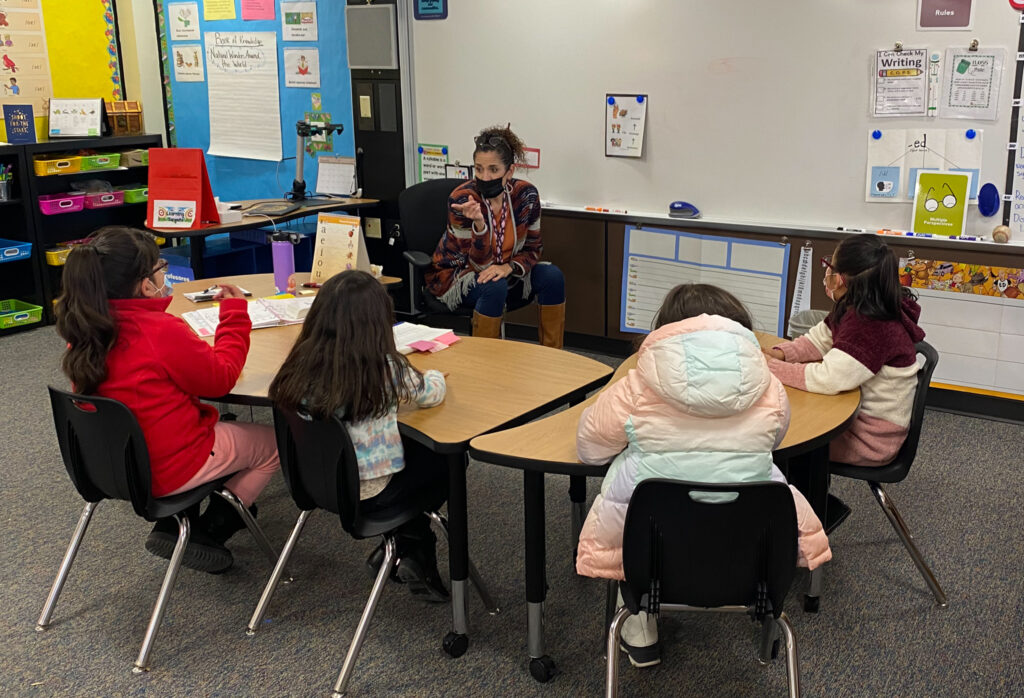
(301, 67)
(183, 18)
(406, 333)
(245, 116)
(624, 125)
(896, 156)
(802, 287)
(263, 313)
(188, 63)
(970, 84)
(335, 175)
(901, 82)
(298, 21)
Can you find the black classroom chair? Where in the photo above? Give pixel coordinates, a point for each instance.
(898, 470)
(106, 457)
(689, 547)
(320, 469)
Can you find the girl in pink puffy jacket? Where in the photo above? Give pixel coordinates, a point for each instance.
(701, 405)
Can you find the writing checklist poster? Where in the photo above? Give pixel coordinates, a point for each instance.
(625, 118)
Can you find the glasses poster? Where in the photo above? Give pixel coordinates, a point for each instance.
(940, 202)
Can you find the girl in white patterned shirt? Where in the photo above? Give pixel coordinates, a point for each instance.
(345, 363)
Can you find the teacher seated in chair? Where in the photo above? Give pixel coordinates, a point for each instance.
(489, 258)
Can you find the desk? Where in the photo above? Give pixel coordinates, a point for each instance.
(549, 446)
(309, 207)
(533, 380)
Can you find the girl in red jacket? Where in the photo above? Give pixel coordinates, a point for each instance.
(123, 345)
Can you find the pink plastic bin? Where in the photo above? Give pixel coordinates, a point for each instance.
(104, 199)
(52, 204)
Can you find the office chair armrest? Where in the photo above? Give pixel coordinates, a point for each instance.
(420, 260)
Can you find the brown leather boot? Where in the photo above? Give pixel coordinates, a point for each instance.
(486, 326)
(552, 325)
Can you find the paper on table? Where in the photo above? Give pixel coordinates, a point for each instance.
(263, 312)
(245, 121)
(409, 335)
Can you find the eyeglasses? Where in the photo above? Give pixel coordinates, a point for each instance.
(826, 262)
(160, 266)
(491, 141)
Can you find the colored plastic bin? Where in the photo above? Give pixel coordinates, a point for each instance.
(14, 313)
(135, 193)
(52, 204)
(58, 164)
(57, 256)
(104, 199)
(135, 158)
(100, 161)
(11, 250)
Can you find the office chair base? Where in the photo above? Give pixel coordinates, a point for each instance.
(543, 669)
(455, 644)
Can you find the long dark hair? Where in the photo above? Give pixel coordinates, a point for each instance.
(500, 140)
(345, 357)
(111, 265)
(871, 273)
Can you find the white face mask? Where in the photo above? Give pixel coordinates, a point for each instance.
(830, 292)
(163, 291)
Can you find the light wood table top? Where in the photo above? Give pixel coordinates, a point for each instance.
(492, 383)
(309, 207)
(549, 444)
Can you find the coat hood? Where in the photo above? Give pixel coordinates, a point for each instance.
(706, 366)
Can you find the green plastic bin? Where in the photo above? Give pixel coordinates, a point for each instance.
(14, 313)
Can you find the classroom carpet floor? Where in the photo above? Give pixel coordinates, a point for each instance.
(877, 634)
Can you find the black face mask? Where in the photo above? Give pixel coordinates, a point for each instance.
(490, 188)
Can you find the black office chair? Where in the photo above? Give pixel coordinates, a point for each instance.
(898, 470)
(320, 468)
(423, 211)
(106, 457)
(689, 547)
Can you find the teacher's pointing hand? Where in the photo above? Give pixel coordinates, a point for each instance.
(471, 210)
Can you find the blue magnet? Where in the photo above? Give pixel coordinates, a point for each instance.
(444, 150)
(611, 101)
(971, 133)
(420, 150)
(876, 134)
(640, 99)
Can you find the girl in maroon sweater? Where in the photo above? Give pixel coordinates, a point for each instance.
(123, 345)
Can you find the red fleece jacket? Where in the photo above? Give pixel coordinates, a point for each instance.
(159, 368)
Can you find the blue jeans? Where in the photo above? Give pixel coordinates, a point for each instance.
(547, 285)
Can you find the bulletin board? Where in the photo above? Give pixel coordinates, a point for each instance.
(56, 48)
(188, 108)
(756, 111)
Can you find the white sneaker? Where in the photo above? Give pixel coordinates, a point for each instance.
(639, 640)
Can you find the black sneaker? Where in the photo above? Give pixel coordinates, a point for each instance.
(220, 521)
(202, 553)
(424, 580)
(376, 559)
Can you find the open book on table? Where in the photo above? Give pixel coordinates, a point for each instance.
(410, 337)
(263, 312)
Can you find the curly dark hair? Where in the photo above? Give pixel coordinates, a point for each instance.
(501, 140)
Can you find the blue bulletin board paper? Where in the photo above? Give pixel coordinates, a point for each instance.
(234, 179)
(431, 9)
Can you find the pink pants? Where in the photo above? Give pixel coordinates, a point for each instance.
(249, 450)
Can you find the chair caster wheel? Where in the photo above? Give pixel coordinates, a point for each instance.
(455, 644)
(811, 603)
(543, 669)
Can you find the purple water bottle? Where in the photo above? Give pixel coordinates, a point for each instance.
(284, 260)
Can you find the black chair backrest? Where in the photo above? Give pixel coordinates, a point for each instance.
(706, 553)
(319, 464)
(103, 448)
(423, 210)
(908, 451)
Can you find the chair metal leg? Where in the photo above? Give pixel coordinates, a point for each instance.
(275, 576)
(390, 557)
(250, 523)
(65, 566)
(792, 656)
(474, 576)
(184, 530)
(611, 684)
(893, 514)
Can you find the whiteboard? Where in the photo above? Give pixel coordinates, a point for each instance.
(758, 111)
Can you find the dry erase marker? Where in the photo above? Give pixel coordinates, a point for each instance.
(850, 230)
(886, 231)
(967, 237)
(597, 209)
(311, 284)
(919, 235)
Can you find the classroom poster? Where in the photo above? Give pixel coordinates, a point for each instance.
(245, 120)
(432, 160)
(625, 119)
(173, 213)
(218, 9)
(1017, 195)
(19, 123)
(335, 175)
(323, 142)
(958, 277)
(948, 15)
(76, 117)
(970, 84)
(184, 21)
(900, 83)
(301, 67)
(940, 204)
(188, 63)
(24, 60)
(298, 21)
(655, 260)
(258, 9)
(339, 247)
(895, 156)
